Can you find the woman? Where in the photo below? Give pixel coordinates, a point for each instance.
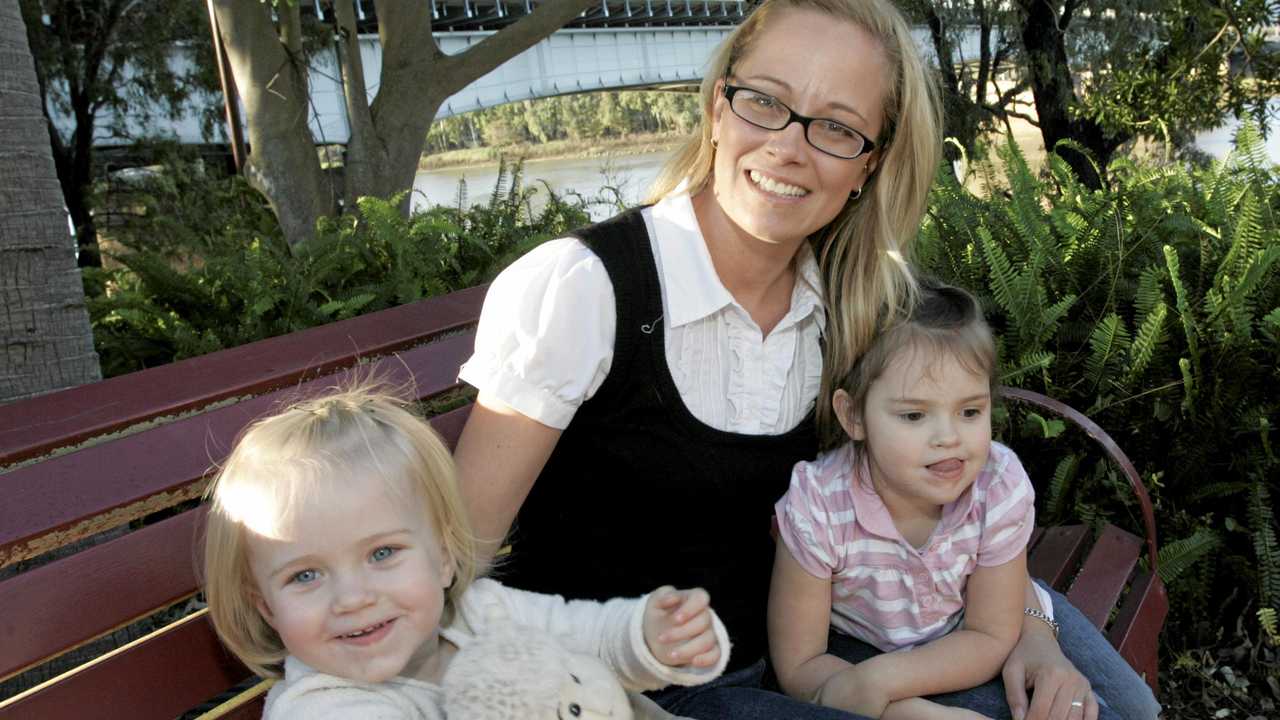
(645, 389)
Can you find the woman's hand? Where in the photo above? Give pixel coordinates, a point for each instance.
(1058, 690)
(678, 627)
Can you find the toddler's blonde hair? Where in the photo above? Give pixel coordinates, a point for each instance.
(283, 461)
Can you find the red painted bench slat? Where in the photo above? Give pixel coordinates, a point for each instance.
(74, 600)
(1136, 629)
(71, 416)
(1104, 574)
(167, 459)
(1057, 555)
(158, 678)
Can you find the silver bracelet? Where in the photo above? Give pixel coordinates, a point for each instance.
(1039, 615)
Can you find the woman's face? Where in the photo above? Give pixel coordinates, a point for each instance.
(772, 184)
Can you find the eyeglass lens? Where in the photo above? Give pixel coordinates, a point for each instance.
(770, 113)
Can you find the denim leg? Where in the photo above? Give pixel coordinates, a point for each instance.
(740, 695)
(987, 699)
(1113, 681)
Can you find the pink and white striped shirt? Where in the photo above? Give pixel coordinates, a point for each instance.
(884, 591)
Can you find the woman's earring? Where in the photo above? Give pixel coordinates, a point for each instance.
(855, 194)
(715, 143)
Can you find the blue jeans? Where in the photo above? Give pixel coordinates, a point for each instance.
(742, 695)
(1122, 694)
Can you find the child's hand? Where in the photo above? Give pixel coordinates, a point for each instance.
(678, 627)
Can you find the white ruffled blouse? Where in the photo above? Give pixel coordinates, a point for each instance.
(545, 340)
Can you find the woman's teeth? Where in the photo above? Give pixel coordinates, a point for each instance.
(775, 187)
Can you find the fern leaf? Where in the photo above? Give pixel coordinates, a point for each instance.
(1178, 556)
(1063, 475)
(1002, 275)
(1184, 305)
(1109, 340)
(1265, 547)
(1268, 621)
(1037, 361)
(1150, 335)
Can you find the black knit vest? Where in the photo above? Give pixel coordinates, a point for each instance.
(639, 493)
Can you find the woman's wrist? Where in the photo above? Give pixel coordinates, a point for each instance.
(1042, 617)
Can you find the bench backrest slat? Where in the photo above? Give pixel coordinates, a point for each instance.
(1057, 554)
(158, 677)
(73, 415)
(74, 600)
(155, 468)
(1105, 574)
(1135, 632)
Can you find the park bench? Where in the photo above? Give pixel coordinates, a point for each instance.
(133, 452)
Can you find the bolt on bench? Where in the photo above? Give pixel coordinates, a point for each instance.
(133, 452)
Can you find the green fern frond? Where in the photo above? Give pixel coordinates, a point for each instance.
(1002, 275)
(1184, 305)
(1109, 340)
(1063, 475)
(1032, 362)
(1267, 620)
(1271, 325)
(1149, 336)
(1178, 556)
(1223, 489)
(1246, 239)
(1266, 549)
(1150, 290)
(1051, 319)
(1189, 388)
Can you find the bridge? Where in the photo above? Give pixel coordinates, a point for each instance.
(615, 45)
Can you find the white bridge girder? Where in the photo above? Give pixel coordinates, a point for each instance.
(568, 61)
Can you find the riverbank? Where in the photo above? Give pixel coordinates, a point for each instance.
(554, 150)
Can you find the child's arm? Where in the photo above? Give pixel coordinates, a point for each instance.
(799, 620)
(615, 631)
(972, 654)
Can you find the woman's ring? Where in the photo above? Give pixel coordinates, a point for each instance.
(1077, 704)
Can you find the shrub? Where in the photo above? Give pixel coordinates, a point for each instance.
(205, 267)
(1154, 306)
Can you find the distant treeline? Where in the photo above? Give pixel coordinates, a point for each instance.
(585, 116)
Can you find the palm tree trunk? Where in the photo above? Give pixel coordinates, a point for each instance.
(45, 340)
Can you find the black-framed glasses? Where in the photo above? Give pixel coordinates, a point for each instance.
(768, 112)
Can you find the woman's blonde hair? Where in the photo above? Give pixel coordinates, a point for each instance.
(284, 461)
(863, 251)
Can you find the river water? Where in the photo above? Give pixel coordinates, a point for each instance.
(628, 176)
(631, 175)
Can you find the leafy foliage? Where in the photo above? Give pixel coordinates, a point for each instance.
(1153, 305)
(201, 264)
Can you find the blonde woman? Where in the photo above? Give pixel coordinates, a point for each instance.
(646, 386)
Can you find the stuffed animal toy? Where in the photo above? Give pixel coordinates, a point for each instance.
(513, 671)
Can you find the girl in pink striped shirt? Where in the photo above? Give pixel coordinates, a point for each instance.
(911, 534)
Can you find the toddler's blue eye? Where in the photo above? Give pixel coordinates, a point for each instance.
(382, 553)
(912, 416)
(304, 576)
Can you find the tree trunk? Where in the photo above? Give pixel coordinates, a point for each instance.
(1043, 39)
(46, 340)
(387, 135)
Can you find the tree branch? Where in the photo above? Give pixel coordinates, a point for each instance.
(466, 67)
(291, 28)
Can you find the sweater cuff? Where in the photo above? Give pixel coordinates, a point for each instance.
(684, 675)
